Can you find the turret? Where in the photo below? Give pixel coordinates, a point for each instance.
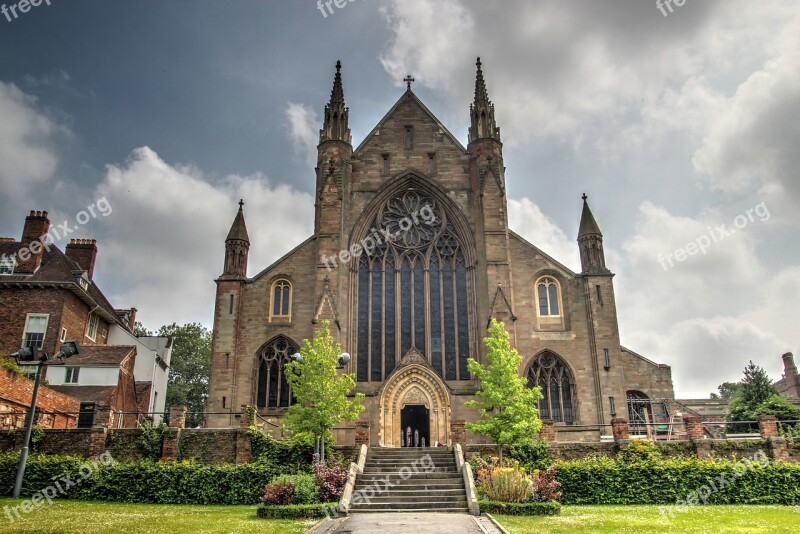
(481, 111)
(237, 246)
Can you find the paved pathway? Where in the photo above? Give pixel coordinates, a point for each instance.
(403, 523)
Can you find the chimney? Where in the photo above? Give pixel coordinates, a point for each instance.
(132, 319)
(790, 375)
(84, 253)
(29, 257)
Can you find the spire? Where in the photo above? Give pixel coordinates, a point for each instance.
(335, 127)
(590, 242)
(239, 229)
(588, 224)
(237, 246)
(483, 125)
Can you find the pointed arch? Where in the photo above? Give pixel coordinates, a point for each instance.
(272, 388)
(414, 284)
(414, 383)
(553, 375)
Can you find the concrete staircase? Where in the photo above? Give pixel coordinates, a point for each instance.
(410, 480)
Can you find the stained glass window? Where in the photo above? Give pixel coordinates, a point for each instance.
(273, 389)
(553, 376)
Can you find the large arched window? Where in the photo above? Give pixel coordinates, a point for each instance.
(281, 299)
(413, 285)
(548, 296)
(273, 390)
(551, 373)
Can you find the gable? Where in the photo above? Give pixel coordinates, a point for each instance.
(429, 133)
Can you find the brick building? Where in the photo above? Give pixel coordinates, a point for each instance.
(410, 258)
(47, 297)
(56, 410)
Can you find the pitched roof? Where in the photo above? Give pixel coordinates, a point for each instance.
(98, 394)
(57, 270)
(101, 355)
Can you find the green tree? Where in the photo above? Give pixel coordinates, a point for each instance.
(727, 390)
(140, 330)
(508, 412)
(189, 369)
(320, 391)
(756, 396)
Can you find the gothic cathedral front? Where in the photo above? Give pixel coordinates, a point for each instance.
(410, 259)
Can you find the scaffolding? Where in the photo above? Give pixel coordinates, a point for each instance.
(655, 419)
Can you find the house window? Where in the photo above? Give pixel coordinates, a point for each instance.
(281, 298)
(86, 418)
(548, 294)
(7, 264)
(72, 375)
(63, 335)
(84, 284)
(273, 389)
(230, 308)
(431, 163)
(607, 359)
(385, 164)
(35, 329)
(224, 402)
(612, 405)
(409, 141)
(91, 328)
(554, 377)
(599, 294)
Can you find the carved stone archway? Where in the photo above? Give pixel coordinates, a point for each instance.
(414, 382)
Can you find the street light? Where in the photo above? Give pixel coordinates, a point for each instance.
(32, 354)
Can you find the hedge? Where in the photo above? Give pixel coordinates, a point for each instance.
(144, 481)
(608, 481)
(520, 508)
(297, 511)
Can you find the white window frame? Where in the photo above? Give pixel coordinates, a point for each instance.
(71, 374)
(63, 335)
(5, 263)
(92, 325)
(27, 326)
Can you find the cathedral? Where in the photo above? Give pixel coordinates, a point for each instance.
(410, 259)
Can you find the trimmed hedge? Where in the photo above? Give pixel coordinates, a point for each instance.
(520, 508)
(296, 511)
(144, 482)
(608, 481)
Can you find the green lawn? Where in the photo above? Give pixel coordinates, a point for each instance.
(80, 517)
(586, 519)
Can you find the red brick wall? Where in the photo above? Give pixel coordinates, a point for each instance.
(15, 395)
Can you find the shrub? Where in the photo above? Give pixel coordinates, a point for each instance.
(507, 484)
(296, 453)
(535, 455)
(525, 508)
(304, 488)
(545, 486)
(278, 493)
(331, 481)
(639, 451)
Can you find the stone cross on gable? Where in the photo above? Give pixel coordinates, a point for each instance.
(409, 80)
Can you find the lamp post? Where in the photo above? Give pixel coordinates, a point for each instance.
(319, 442)
(25, 354)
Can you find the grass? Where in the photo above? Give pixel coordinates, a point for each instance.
(586, 519)
(79, 517)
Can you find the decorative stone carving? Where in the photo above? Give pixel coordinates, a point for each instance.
(415, 396)
(414, 356)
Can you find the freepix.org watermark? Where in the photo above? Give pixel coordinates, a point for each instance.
(59, 231)
(715, 235)
(61, 484)
(664, 5)
(375, 238)
(326, 6)
(23, 6)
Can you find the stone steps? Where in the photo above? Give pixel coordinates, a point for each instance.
(410, 480)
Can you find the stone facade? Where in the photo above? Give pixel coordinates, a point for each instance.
(410, 331)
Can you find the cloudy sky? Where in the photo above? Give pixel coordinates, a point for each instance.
(684, 130)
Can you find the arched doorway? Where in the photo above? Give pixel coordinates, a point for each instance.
(414, 395)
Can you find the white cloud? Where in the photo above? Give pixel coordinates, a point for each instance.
(527, 219)
(303, 132)
(27, 158)
(164, 242)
